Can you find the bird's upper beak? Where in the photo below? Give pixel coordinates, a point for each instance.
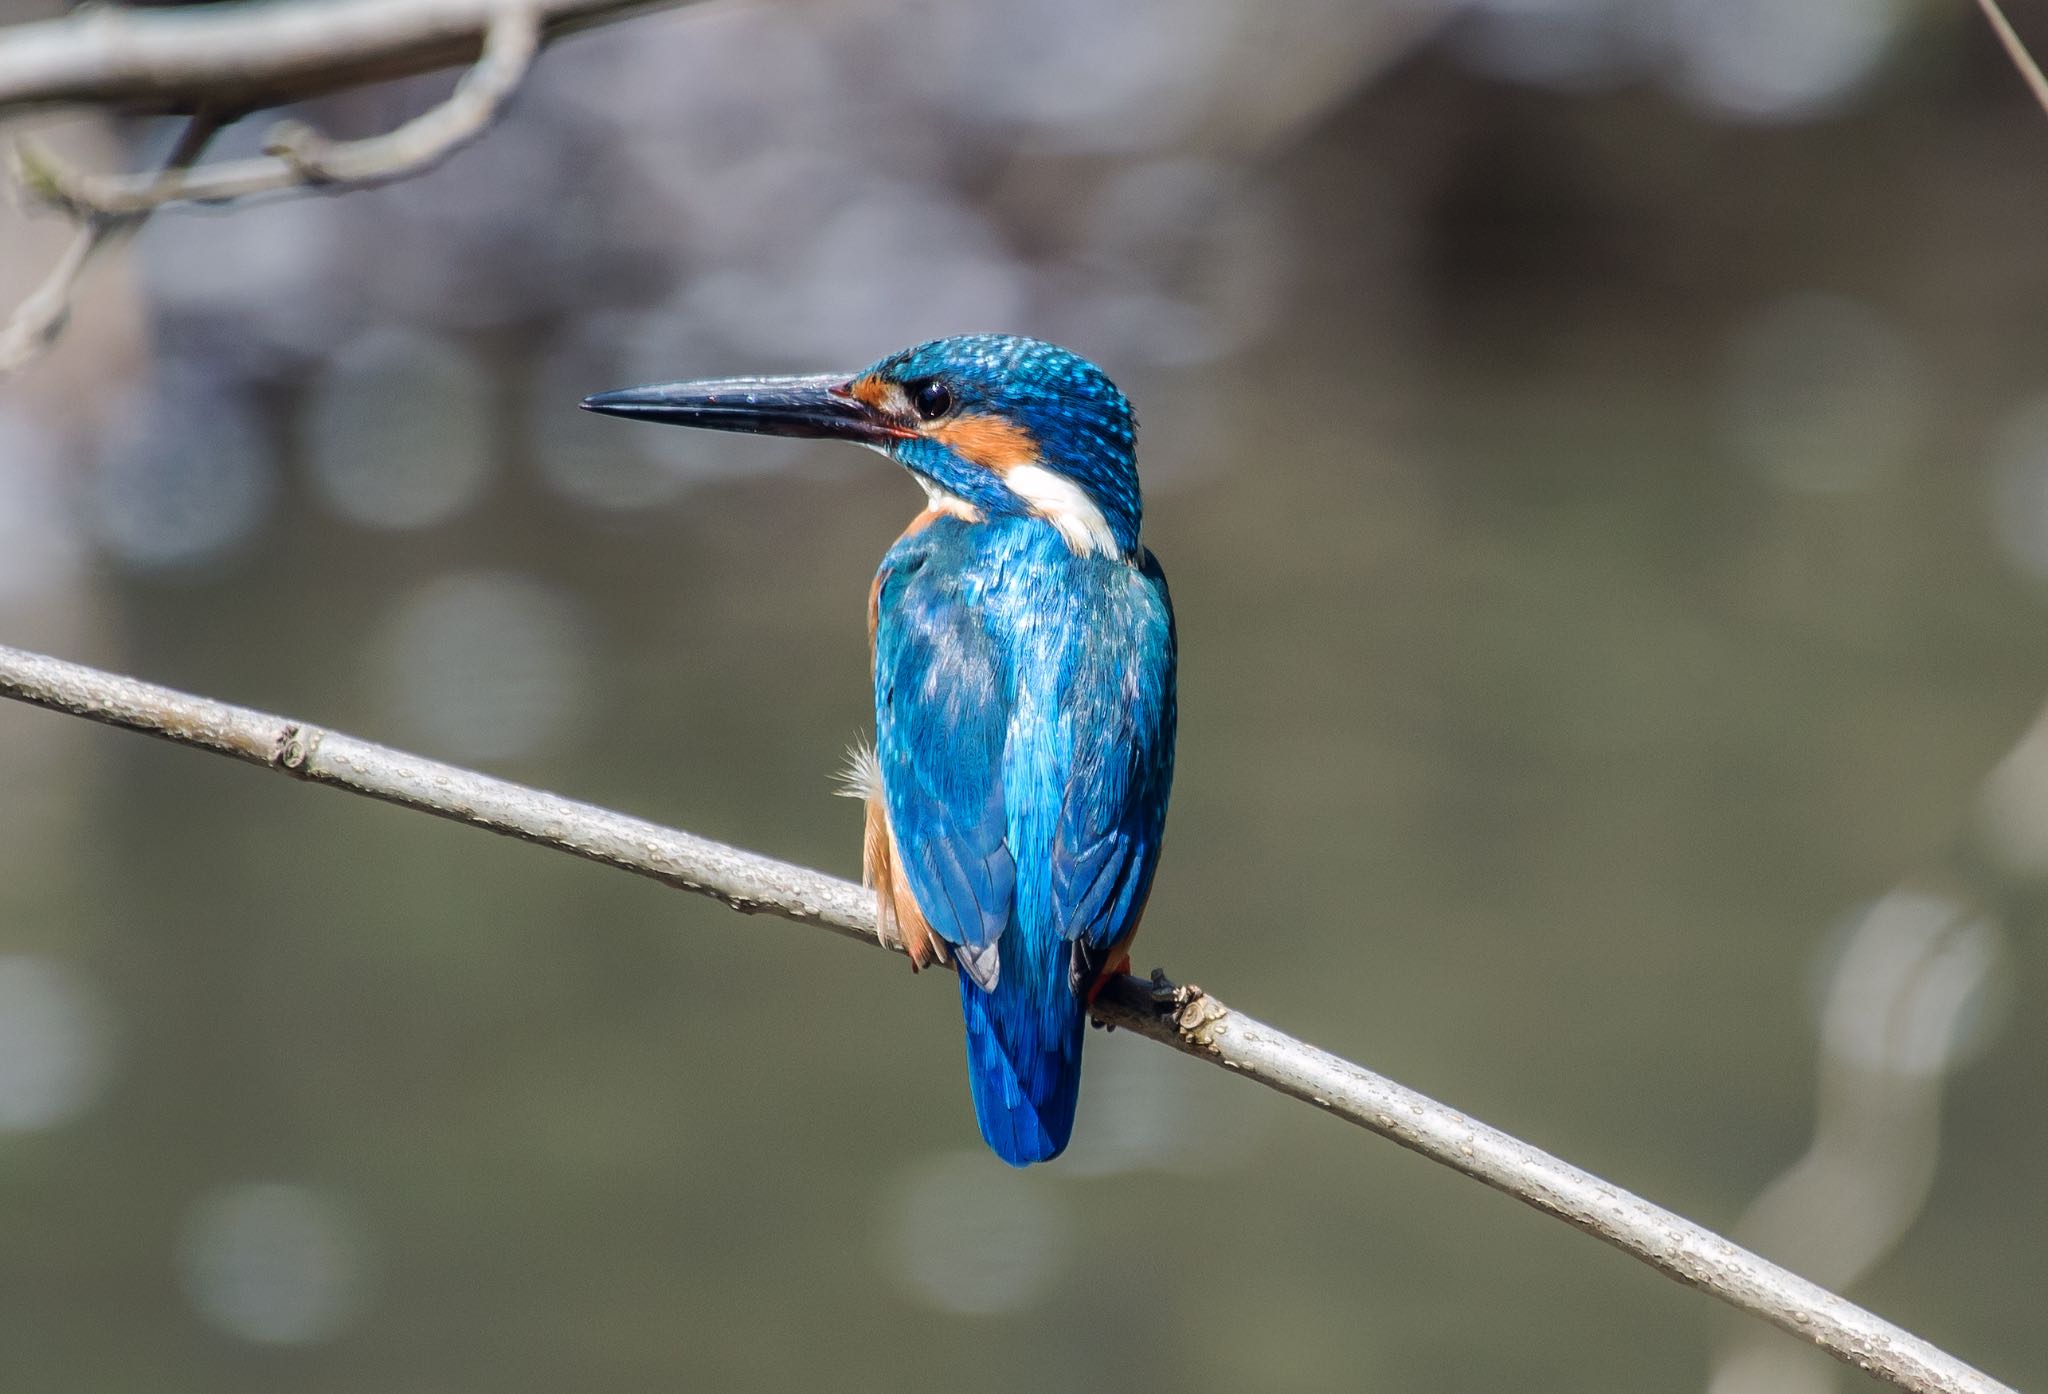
(819, 407)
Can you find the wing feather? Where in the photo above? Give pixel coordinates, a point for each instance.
(1123, 706)
(942, 710)
(1026, 765)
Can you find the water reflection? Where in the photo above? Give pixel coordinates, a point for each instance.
(967, 1235)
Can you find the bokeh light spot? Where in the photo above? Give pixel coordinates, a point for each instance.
(273, 1263)
(399, 430)
(184, 474)
(1780, 60)
(1909, 985)
(1823, 395)
(485, 665)
(54, 1047)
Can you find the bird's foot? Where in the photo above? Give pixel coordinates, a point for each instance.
(1116, 969)
(1185, 1003)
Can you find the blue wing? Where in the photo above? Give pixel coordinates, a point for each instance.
(1120, 700)
(942, 711)
(1025, 725)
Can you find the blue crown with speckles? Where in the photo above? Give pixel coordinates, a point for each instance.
(1084, 427)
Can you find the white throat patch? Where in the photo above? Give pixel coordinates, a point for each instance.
(946, 501)
(1065, 505)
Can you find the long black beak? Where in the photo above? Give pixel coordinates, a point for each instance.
(816, 407)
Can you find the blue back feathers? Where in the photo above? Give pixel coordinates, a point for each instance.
(1025, 720)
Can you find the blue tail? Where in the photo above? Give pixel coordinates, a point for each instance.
(1024, 1058)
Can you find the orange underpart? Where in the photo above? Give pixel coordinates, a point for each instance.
(895, 907)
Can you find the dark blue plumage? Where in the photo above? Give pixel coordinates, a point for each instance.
(1024, 663)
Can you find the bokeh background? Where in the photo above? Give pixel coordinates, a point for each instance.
(1600, 450)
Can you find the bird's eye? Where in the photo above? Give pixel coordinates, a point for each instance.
(932, 398)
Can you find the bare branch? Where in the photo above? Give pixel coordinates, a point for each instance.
(300, 156)
(39, 319)
(249, 56)
(108, 207)
(2029, 70)
(1186, 1018)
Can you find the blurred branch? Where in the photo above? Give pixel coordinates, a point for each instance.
(39, 319)
(299, 155)
(219, 59)
(1186, 1018)
(2016, 50)
(244, 57)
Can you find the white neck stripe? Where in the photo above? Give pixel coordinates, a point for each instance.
(1064, 504)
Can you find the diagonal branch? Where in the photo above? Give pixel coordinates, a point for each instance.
(107, 207)
(1186, 1018)
(39, 319)
(299, 156)
(2016, 50)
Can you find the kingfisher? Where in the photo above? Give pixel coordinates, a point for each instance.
(1024, 654)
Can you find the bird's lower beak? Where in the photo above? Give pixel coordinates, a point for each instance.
(817, 407)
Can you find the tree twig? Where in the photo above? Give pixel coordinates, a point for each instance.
(108, 207)
(1186, 1018)
(264, 53)
(2030, 71)
(300, 156)
(41, 317)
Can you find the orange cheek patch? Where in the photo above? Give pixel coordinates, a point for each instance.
(987, 441)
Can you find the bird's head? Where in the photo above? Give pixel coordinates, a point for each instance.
(991, 424)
